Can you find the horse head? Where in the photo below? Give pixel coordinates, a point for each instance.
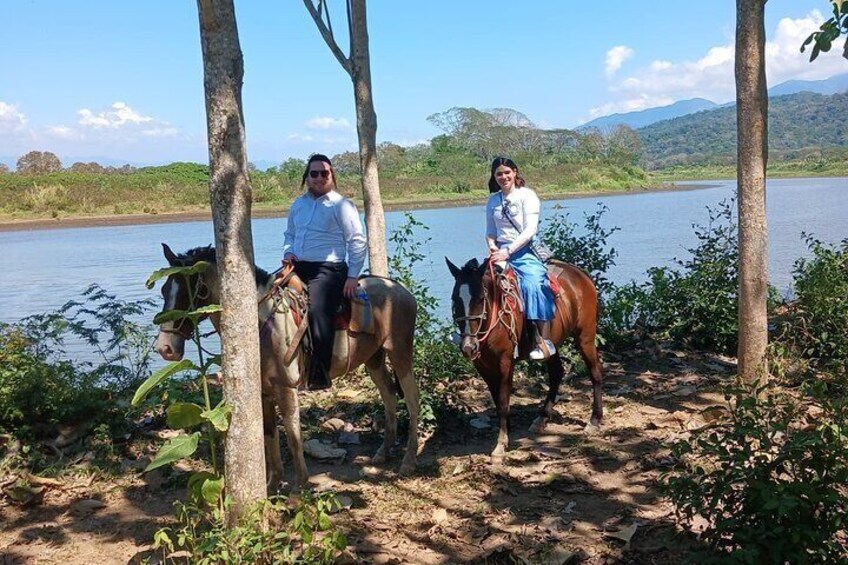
(182, 292)
(468, 304)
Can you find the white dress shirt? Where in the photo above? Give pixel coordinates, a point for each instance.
(326, 229)
(523, 207)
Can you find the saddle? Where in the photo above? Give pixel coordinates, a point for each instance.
(354, 315)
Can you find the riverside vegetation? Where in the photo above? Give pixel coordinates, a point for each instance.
(806, 140)
(763, 479)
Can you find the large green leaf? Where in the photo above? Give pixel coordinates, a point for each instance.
(159, 376)
(184, 415)
(211, 489)
(219, 417)
(178, 448)
(196, 481)
(172, 315)
(198, 267)
(169, 316)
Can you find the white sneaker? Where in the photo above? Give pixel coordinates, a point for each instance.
(539, 354)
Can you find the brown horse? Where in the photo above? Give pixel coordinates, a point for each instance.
(493, 334)
(393, 312)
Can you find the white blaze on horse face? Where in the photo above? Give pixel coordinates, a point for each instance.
(168, 344)
(465, 297)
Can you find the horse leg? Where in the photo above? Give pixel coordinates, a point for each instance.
(376, 366)
(555, 374)
(273, 457)
(289, 404)
(500, 385)
(402, 365)
(586, 344)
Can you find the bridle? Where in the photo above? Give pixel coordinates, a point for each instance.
(201, 293)
(503, 313)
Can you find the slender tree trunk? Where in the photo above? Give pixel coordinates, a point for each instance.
(366, 128)
(358, 67)
(752, 156)
(230, 196)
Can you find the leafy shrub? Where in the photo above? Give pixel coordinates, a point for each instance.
(436, 361)
(770, 480)
(821, 310)
(299, 531)
(588, 251)
(39, 383)
(695, 304)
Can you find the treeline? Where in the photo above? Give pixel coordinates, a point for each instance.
(802, 126)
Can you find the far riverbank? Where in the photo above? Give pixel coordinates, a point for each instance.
(259, 211)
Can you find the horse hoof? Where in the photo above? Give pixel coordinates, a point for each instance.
(407, 468)
(592, 429)
(538, 425)
(496, 459)
(379, 458)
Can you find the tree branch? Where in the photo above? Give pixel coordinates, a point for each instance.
(327, 34)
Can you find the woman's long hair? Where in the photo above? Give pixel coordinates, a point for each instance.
(506, 162)
(317, 157)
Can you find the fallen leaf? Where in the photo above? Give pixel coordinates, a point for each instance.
(42, 481)
(560, 556)
(440, 515)
(624, 535)
(87, 506)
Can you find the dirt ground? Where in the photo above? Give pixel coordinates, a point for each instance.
(559, 497)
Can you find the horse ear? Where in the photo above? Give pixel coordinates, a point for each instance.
(453, 268)
(170, 255)
(484, 267)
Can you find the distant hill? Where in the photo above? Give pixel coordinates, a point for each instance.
(832, 85)
(642, 118)
(796, 122)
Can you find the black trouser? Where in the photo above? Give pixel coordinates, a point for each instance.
(326, 282)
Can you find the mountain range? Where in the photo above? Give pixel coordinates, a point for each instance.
(643, 118)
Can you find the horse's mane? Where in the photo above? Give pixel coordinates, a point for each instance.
(207, 253)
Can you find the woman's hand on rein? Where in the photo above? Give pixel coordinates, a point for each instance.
(499, 255)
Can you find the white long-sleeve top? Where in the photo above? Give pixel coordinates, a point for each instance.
(523, 207)
(326, 229)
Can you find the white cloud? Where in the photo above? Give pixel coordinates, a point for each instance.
(165, 131)
(11, 120)
(616, 58)
(63, 132)
(118, 116)
(327, 123)
(712, 76)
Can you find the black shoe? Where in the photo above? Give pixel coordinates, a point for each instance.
(318, 380)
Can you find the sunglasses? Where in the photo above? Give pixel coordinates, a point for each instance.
(324, 174)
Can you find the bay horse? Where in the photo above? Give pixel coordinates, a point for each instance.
(493, 335)
(393, 312)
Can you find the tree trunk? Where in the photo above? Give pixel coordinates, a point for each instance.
(230, 196)
(366, 128)
(752, 156)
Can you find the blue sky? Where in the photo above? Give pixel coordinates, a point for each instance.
(122, 81)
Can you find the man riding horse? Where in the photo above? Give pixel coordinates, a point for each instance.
(325, 242)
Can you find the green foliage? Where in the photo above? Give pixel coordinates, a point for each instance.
(588, 251)
(696, 303)
(41, 387)
(829, 31)
(820, 326)
(184, 415)
(796, 122)
(299, 531)
(436, 361)
(770, 480)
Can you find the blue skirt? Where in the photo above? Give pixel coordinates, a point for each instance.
(535, 289)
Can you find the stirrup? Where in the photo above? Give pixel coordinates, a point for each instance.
(543, 350)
